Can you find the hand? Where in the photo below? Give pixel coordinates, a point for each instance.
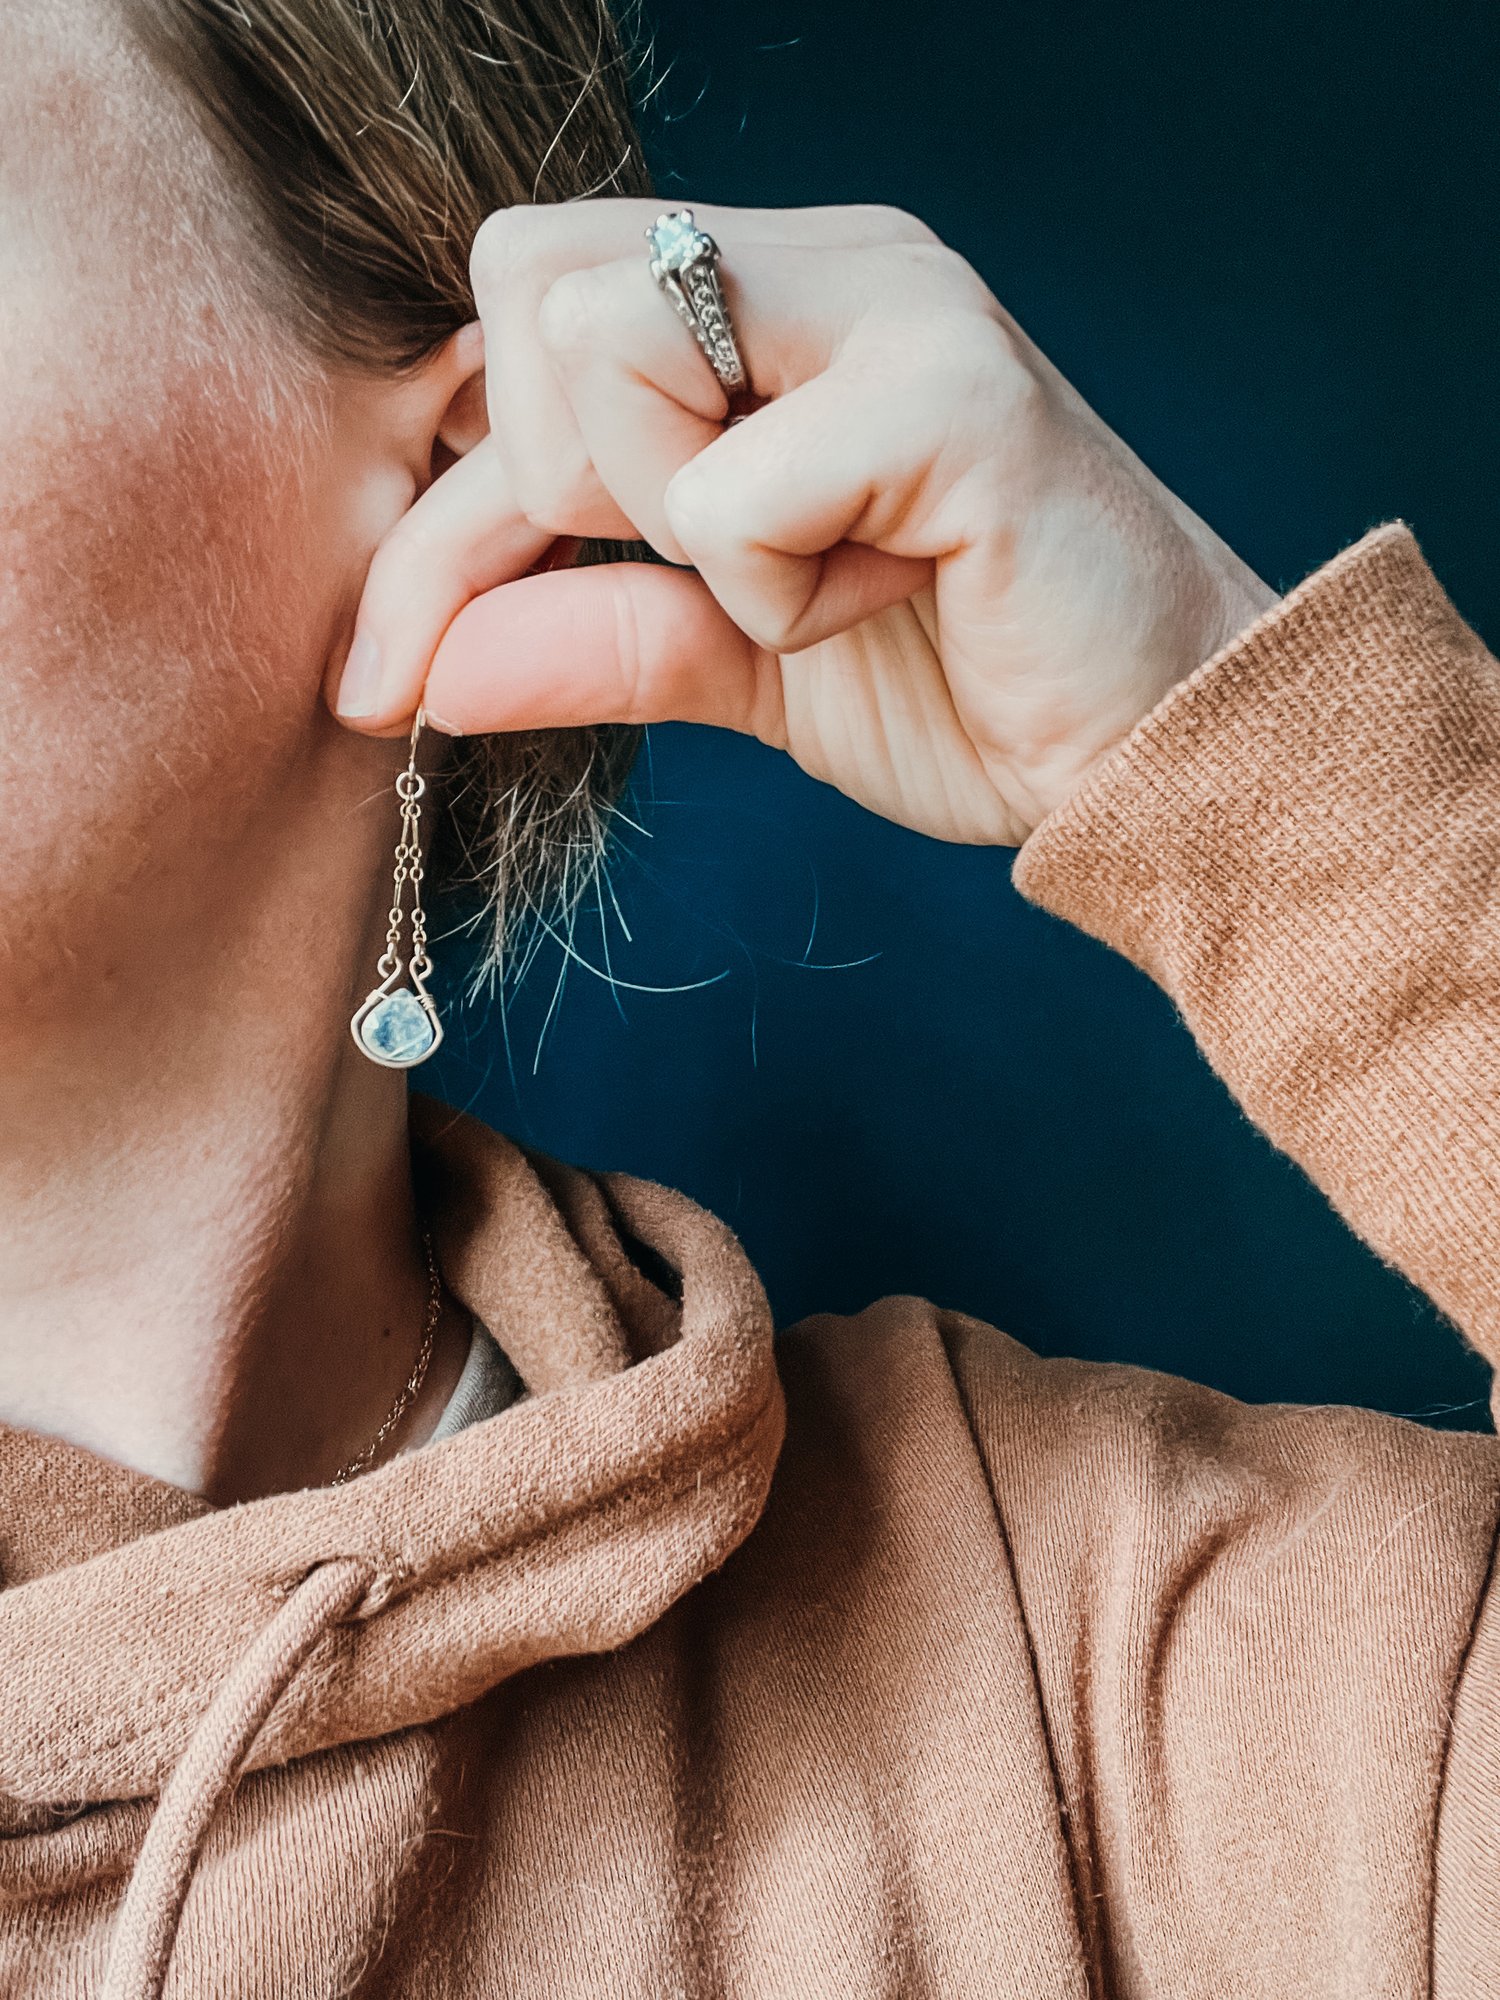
(922, 566)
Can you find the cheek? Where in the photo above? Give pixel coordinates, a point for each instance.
(173, 564)
(163, 619)
(166, 522)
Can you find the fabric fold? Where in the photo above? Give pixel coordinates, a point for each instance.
(565, 1524)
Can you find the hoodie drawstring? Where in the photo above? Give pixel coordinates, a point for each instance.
(146, 1928)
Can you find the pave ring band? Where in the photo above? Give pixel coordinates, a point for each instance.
(685, 263)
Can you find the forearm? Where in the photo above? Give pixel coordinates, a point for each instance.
(1299, 845)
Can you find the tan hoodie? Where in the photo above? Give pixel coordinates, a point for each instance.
(999, 1678)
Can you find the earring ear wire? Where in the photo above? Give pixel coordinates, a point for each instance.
(397, 1024)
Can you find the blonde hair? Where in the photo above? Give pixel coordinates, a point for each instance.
(372, 137)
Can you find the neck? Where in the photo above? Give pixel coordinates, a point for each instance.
(210, 1265)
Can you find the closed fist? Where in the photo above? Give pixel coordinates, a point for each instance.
(921, 565)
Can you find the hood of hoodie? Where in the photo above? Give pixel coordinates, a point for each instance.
(638, 1462)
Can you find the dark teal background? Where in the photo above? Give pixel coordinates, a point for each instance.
(1262, 239)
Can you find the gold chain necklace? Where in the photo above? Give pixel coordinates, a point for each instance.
(418, 1373)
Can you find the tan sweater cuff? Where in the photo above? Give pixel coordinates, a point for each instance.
(1298, 844)
(1307, 745)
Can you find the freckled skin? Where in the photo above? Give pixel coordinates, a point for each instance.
(162, 631)
(205, 1204)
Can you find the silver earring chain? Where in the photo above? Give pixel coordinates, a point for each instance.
(410, 787)
(397, 1025)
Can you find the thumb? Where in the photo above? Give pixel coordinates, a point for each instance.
(616, 642)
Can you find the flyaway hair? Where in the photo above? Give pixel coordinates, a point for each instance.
(369, 139)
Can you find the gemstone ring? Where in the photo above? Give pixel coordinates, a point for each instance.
(685, 263)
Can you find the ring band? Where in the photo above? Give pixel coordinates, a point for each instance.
(685, 263)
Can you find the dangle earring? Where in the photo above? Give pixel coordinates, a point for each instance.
(398, 1025)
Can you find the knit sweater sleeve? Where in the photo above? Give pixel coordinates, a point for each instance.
(1267, 1641)
(1300, 845)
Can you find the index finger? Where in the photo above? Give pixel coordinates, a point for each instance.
(463, 536)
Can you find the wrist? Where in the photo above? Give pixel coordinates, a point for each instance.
(1202, 606)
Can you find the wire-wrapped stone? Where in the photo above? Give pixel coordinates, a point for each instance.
(684, 262)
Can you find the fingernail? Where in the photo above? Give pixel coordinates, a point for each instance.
(359, 684)
(442, 724)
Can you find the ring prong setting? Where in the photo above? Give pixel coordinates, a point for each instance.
(678, 243)
(685, 265)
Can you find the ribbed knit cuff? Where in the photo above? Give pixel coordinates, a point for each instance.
(1315, 746)
(1300, 845)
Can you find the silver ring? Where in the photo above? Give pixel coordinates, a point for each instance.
(685, 263)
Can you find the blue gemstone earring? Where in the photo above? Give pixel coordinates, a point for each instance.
(397, 1025)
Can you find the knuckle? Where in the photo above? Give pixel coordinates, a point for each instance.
(987, 349)
(778, 628)
(569, 319)
(695, 514)
(501, 239)
(1002, 371)
(1006, 405)
(557, 497)
(977, 355)
(409, 548)
(899, 225)
(939, 269)
(486, 252)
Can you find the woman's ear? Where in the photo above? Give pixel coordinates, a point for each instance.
(459, 377)
(398, 433)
